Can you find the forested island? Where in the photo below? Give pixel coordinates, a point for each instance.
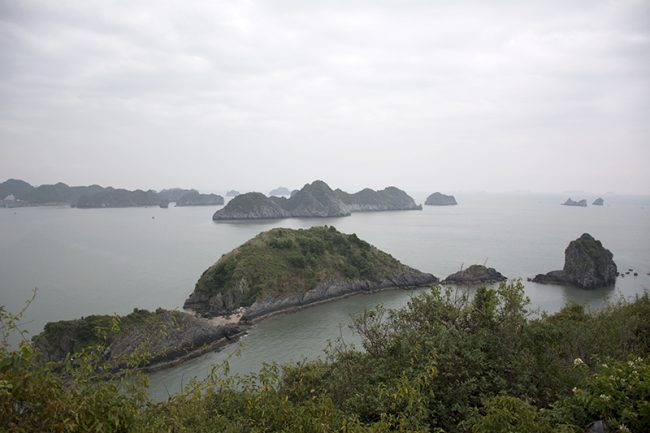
(18, 193)
(285, 269)
(315, 199)
(195, 198)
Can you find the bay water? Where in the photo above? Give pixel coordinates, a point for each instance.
(104, 261)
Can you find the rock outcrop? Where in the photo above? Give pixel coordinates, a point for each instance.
(315, 199)
(159, 338)
(587, 264)
(251, 205)
(284, 269)
(335, 288)
(598, 202)
(570, 202)
(475, 274)
(194, 198)
(439, 199)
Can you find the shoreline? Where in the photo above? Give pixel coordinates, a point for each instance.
(214, 346)
(221, 343)
(295, 308)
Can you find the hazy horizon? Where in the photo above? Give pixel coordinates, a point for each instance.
(266, 189)
(548, 97)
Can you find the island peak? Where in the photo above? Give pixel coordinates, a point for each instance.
(587, 264)
(284, 269)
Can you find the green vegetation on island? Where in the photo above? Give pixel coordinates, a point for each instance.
(194, 198)
(18, 193)
(139, 339)
(315, 200)
(446, 362)
(285, 267)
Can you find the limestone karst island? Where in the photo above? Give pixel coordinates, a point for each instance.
(325, 216)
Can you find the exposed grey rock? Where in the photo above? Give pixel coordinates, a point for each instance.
(597, 427)
(164, 336)
(405, 278)
(439, 199)
(315, 199)
(475, 274)
(570, 202)
(599, 201)
(587, 264)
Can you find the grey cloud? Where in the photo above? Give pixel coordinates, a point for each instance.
(421, 94)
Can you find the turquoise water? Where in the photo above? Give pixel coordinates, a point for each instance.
(99, 261)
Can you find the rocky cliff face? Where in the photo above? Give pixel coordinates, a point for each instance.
(570, 202)
(160, 337)
(404, 278)
(587, 264)
(315, 199)
(475, 274)
(439, 199)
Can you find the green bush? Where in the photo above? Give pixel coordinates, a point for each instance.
(447, 362)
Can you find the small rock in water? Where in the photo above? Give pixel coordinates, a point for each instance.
(636, 274)
(630, 270)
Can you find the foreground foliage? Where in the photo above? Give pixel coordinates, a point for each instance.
(444, 363)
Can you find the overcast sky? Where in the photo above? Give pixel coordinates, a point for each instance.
(447, 95)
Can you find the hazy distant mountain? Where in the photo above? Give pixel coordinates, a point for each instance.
(194, 198)
(369, 200)
(439, 199)
(232, 193)
(280, 192)
(173, 194)
(18, 188)
(91, 196)
(570, 202)
(111, 197)
(315, 199)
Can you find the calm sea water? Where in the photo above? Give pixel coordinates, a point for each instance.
(101, 261)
